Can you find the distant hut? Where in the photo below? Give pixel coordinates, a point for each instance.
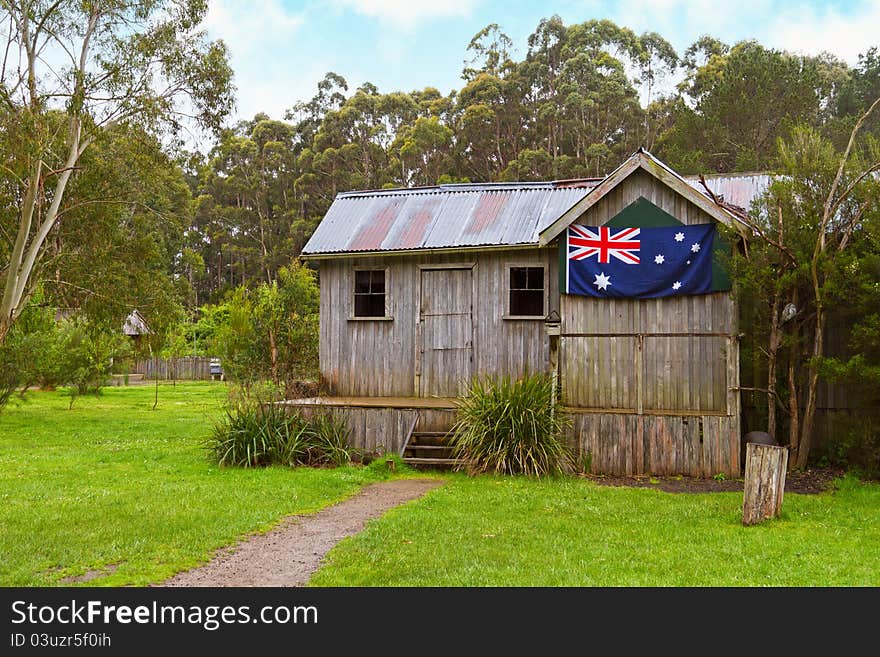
(135, 327)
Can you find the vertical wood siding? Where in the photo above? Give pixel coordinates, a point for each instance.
(627, 444)
(652, 382)
(382, 429)
(380, 358)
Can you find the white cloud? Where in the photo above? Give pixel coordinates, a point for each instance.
(808, 31)
(409, 13)
(259, 41)
(844, 30)
(246, 28)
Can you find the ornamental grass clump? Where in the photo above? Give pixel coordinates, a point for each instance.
(510, 427)
(254, 434)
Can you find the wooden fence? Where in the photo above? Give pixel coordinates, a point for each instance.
(195, 368)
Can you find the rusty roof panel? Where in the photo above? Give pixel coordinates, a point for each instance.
(372, 232)
(470, 214)
(447, 216)
(413, 222)
(486, 212)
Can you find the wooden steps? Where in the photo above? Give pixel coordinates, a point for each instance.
(429, 449)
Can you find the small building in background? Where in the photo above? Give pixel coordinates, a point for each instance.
(135, 327)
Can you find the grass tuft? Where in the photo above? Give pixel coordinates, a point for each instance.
(506, 426)
(253, 434)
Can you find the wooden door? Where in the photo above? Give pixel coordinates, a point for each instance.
(445, 332)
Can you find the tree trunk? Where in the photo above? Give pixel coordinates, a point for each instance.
(794, 434)
(273, 346)
(773, 349)
(803, 453)
(764, 482)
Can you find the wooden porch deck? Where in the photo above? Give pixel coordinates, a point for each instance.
(375, 402)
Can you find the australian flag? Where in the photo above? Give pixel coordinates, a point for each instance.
(640, 263)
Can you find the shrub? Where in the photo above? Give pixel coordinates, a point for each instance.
(855, 445)
(510, 427)
(253, 434)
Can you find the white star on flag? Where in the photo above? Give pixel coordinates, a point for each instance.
(659, 259)
(676, 285)
(679, 237)
(695, 247)
(602, 281)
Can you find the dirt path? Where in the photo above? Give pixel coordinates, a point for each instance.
(290, 553)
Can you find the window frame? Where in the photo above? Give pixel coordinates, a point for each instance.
(386, 317)
(545, 290)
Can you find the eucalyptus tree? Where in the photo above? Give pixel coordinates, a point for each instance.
(813, 258)
(71, 70)
(739, 101)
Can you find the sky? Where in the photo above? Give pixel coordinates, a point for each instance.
(281, 49)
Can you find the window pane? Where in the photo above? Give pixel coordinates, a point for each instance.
(527, 302)
(361, 281)
(518, 278)
(377, 284)
(535, 278)
(369, 305)
(376, 305)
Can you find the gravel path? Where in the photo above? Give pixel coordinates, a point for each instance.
(290, 553)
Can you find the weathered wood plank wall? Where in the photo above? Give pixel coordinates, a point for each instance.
(380, 357)
(629, 444)
(652, 383)
(382, 429)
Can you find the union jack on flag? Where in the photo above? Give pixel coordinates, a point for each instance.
(603, 242)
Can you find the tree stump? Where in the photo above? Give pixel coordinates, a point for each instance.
(764, 482)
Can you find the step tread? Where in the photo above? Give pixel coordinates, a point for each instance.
(412, 446)
(430, 433)
(417, 460)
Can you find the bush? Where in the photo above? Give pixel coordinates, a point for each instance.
(254, 434)
(510, 427)
(855, 445)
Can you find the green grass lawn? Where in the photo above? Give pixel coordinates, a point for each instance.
(488, 531)
(114, 485)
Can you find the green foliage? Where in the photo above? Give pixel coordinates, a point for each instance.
(271, 332)
(856, 445)
(253, 434)
(11, 367)
(33, 352)
(88, 353)
(70, 142)
(510, 427)
(828, 270)
(728, 125)
(41, 350)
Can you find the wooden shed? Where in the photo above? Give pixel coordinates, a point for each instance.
(423, 288)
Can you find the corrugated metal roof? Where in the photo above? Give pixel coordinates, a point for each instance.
(447, 216)
(466, 215)
(736, 188)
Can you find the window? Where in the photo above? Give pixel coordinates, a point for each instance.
(527, 291)
(369, 293)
